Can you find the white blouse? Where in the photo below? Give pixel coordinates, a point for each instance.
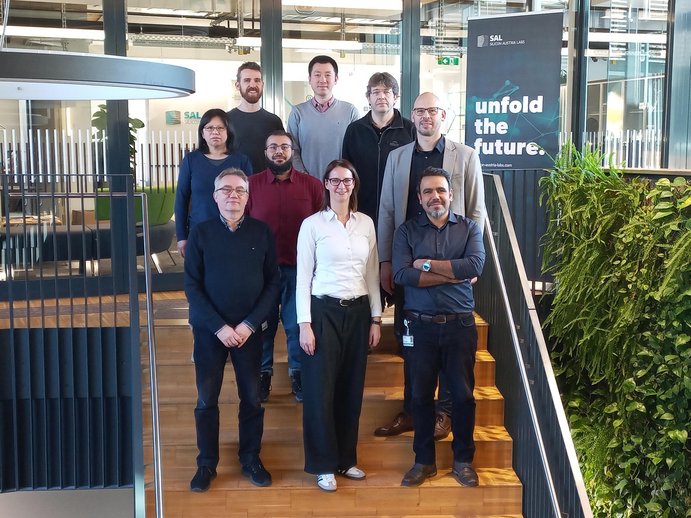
(336, 260)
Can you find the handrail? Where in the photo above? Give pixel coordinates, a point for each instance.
(515, 309)
(492, 249)
(153, 381)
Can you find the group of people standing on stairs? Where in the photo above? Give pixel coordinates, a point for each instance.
(318, 227)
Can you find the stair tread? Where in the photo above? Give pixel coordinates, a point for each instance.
(294, 493)
(166, 358)
(370, 394)
(229, 478)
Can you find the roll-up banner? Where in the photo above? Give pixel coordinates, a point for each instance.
(512, 102)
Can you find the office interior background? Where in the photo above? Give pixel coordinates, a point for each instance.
(420, 42)
(616, 87)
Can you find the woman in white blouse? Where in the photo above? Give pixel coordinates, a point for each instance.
(339, 312)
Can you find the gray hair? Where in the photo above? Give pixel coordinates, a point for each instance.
(231, 171)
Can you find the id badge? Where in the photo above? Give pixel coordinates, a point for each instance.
(265, 325)
(407, 337)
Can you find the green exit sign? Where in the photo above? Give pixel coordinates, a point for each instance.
(447, 60)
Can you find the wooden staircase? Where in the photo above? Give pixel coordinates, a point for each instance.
(294, 492)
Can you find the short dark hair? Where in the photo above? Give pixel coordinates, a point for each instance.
(352, 203)
(232, 171)
(434, 171)
(280, 133)
(383, 78)
(208, 115)
(324, 60)
(248, 65)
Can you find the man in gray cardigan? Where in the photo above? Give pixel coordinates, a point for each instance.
(399, 203)
(318, 125)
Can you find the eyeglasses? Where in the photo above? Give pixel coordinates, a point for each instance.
(338, 181)
(377, 93)
(275, 147)
(215, 129)
(421, 111)
(227, 191)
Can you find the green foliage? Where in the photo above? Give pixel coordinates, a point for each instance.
(620, 251)
(99, 120)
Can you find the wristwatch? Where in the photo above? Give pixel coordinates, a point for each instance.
(427, 266)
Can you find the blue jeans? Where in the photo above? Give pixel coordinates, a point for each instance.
(449, 348)
(209, 364)
(289, 318)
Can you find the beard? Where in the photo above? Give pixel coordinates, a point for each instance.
(251, 97)
(277, 169)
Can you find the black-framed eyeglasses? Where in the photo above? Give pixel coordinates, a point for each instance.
(275, 147)
(227, 191)
(433, 110)
(338, 181)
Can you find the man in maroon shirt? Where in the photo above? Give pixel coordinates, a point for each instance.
(283, 197)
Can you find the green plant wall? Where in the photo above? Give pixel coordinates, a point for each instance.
(620, 252)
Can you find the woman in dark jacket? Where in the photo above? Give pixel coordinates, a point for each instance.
(194, 202)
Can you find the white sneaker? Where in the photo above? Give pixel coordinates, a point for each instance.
(353, 473)
(326, 482)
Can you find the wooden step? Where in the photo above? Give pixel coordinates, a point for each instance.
(380, 404)
(294, 493)
(178, 338)
(175, 371)
(281, 447)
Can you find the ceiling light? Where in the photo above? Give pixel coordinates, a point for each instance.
(53, 32)
(74, 76)
(381, 5)
(287, 43)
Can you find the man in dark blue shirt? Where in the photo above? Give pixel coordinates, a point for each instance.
(231, 282)
(435, 256)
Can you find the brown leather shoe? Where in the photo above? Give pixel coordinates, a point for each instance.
(401, 423)
(418, 474)
(442, 426)
(464, 473)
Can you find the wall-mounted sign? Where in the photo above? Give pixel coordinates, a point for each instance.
(172, 118)
(448, 60)
(512, 100)
(192, 117)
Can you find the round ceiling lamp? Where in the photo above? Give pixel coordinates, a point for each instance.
(65, 76)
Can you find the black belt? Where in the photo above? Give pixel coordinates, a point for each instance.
(436, 319)
(364, 299)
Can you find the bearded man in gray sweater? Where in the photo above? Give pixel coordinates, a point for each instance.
(318, 125)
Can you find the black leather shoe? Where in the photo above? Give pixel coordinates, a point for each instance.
(401, 423)
(464, 473)
(264, 386)
(418, 474)
(202, 479)
(442, 426)
(257, 474)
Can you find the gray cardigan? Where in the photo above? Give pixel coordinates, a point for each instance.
(467, 185)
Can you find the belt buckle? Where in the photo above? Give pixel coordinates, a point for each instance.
(439, 319)
(344, 303)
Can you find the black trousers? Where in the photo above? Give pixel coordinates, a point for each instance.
(444, 395)
(333, 382)
(449, 348)
(209, 364)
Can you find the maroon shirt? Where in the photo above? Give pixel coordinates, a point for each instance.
(283, 206)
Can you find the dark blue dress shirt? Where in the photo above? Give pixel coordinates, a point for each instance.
(459, 241)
